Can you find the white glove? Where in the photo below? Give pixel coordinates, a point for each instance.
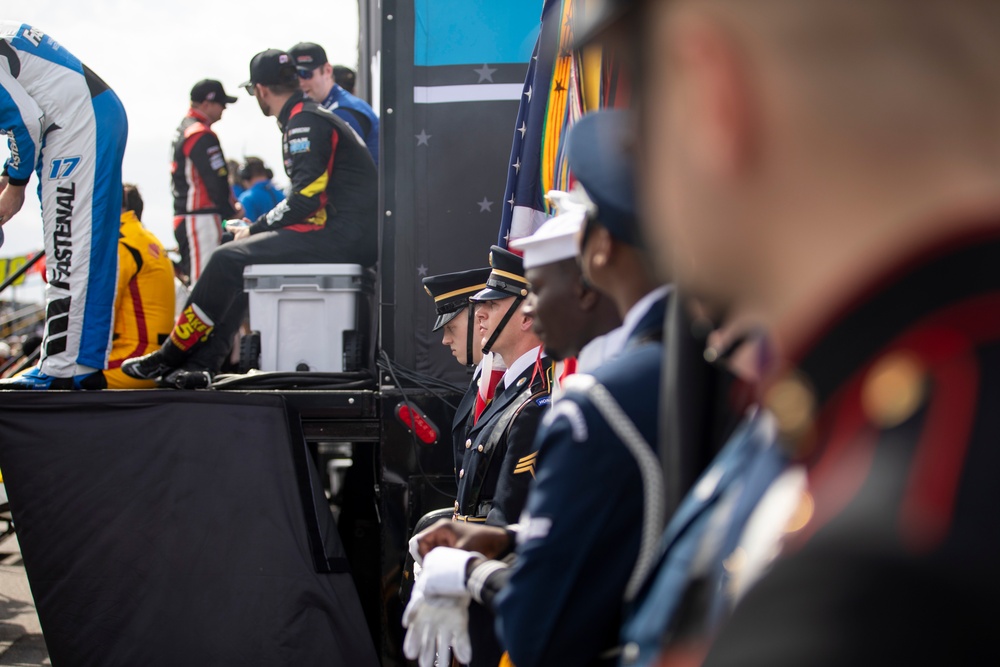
(443, 571)
(414, 548)
(435, 625)
(437, 616)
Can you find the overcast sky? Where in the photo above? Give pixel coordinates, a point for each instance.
(152, 52)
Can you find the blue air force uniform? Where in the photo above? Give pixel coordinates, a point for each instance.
(583, 520)
(597, 508)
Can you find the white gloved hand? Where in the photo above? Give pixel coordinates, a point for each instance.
(437, 616)
(443, 572)
(414, 548)
(435, 626)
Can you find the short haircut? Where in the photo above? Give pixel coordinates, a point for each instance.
(345, 77)
(284, 88)
(131, 199)
(254, 167)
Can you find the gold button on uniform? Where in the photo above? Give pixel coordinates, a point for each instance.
(461, 473)
(468, 443)
(793, 404)
(894, 389)
(479, 448)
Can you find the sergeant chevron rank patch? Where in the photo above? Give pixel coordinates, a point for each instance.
(526, 464)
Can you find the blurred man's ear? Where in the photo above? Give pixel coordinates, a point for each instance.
(720, 113)
(600, 248)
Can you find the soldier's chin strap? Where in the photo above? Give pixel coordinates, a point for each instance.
(471, 314)
(506, 318)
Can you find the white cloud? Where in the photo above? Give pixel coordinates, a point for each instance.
(151, 53)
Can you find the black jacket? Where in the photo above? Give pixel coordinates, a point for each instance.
(334, 183)
(498, 465)
(898, 564)
(199, 176)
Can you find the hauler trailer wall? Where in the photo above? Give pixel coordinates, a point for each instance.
(164, 527)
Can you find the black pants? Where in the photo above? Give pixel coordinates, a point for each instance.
(219, 293)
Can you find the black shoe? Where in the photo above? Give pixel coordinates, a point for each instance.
(187, 378)
(147, 367)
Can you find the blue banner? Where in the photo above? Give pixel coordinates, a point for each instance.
(462, 32)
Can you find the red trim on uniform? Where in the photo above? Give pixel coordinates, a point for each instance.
(334, 142)
(197, 195)
(929, 500)
(202, 118)
(851, 439)
(140, 323)
(945, 343)
(194, 248)
(192, 133)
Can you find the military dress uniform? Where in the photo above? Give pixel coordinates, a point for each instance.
(499, 454)
(451, 292)
(582, 535)
(498, 463)
(892, 556)
(499, 460)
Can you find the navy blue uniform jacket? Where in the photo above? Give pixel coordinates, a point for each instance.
(562, 605)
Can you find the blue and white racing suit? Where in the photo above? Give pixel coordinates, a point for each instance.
(69, 127)
(356, 113)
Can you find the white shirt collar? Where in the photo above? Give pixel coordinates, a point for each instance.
(519, 366)
(602, 349)
(638, 311)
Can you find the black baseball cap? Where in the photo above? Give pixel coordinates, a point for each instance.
(506, 277)
(451, 292)
(271, 67)
(308, 55)
(210, 90)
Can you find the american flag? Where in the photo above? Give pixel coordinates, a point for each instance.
(560, 87)
(542, 117)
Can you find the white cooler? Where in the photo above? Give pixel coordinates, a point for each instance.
(302, 312)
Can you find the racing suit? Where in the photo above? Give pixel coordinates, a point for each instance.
(356, 113)
(329, 217)
(202, 198)
(63, 122)
(144, 307)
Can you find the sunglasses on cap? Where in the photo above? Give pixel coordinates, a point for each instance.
(304, 73)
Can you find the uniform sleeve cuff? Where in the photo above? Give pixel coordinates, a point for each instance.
(480, 575)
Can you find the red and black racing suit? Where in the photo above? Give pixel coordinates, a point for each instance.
(202, 197)
(329, 217)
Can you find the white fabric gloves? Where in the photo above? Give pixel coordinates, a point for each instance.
(437, 616)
